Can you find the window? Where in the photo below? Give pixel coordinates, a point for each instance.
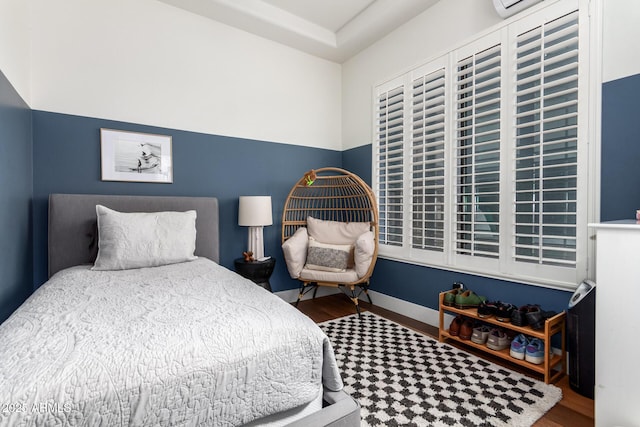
(546, 143)
(480, 159)
(427, 161)
(477, 153)
(390, 142)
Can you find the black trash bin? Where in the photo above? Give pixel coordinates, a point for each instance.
(581, 332)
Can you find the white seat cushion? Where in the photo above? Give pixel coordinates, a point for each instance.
(329, 276)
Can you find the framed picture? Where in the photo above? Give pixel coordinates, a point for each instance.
(135, 157)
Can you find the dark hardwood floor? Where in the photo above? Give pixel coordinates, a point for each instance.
(573, 410)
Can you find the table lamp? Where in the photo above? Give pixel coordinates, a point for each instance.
(255, 212)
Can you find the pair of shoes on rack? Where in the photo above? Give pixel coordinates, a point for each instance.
(494, 338)
(501, 310)
(487, 308)
(532, 315)
(459, 298)
(450, 296)
(461, 327)
(519, 316)
(524, 348)
(498, 339)
(468, 299)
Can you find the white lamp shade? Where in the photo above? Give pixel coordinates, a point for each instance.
(254, 211)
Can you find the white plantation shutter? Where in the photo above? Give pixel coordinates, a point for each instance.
(546, 152)
(477, 153)
(428, 162)
(390, 165)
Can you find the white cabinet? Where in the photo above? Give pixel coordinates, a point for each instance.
(617, 382)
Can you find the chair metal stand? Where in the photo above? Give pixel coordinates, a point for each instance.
(349, 290)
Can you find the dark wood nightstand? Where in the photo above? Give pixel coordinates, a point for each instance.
(257, 271)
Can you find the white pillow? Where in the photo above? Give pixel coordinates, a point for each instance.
(328, 257)
(340, 233)
(136, 240)
(295, 252)
(363, 252)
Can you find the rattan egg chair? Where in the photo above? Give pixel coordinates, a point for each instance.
(342, 201)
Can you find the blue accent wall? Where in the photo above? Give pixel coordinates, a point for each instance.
(358, 160)
(16, 188)
(421, 285)
(67, 160)
(620, 155)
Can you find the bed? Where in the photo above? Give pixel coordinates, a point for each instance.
(182, 343)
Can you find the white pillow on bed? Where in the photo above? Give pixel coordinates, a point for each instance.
(136, 240)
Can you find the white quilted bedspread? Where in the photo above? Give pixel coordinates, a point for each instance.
(185, 344)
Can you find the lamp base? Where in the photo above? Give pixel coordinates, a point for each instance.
(255, 242)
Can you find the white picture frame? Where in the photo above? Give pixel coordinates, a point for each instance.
(135, 157)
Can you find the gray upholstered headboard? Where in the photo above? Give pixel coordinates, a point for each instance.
(73, 233)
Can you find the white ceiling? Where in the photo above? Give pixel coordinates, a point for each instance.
(331, 29)
(330, 14)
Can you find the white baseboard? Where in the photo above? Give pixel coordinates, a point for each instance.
(415, 311)
(397, 305)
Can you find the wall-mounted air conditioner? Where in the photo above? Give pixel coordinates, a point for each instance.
(506, 8)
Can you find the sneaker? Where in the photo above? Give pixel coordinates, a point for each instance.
(497, 339)
(486, 309)
(534, 351)
(480, 334)
(504, 311)
(518, 346)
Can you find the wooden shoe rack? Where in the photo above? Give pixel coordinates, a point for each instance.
(554, 325)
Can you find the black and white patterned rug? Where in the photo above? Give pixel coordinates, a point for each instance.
(401, 377)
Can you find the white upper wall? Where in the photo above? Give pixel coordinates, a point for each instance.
(621, 32)
(148, 62)
(15, 45)
(427, 36)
